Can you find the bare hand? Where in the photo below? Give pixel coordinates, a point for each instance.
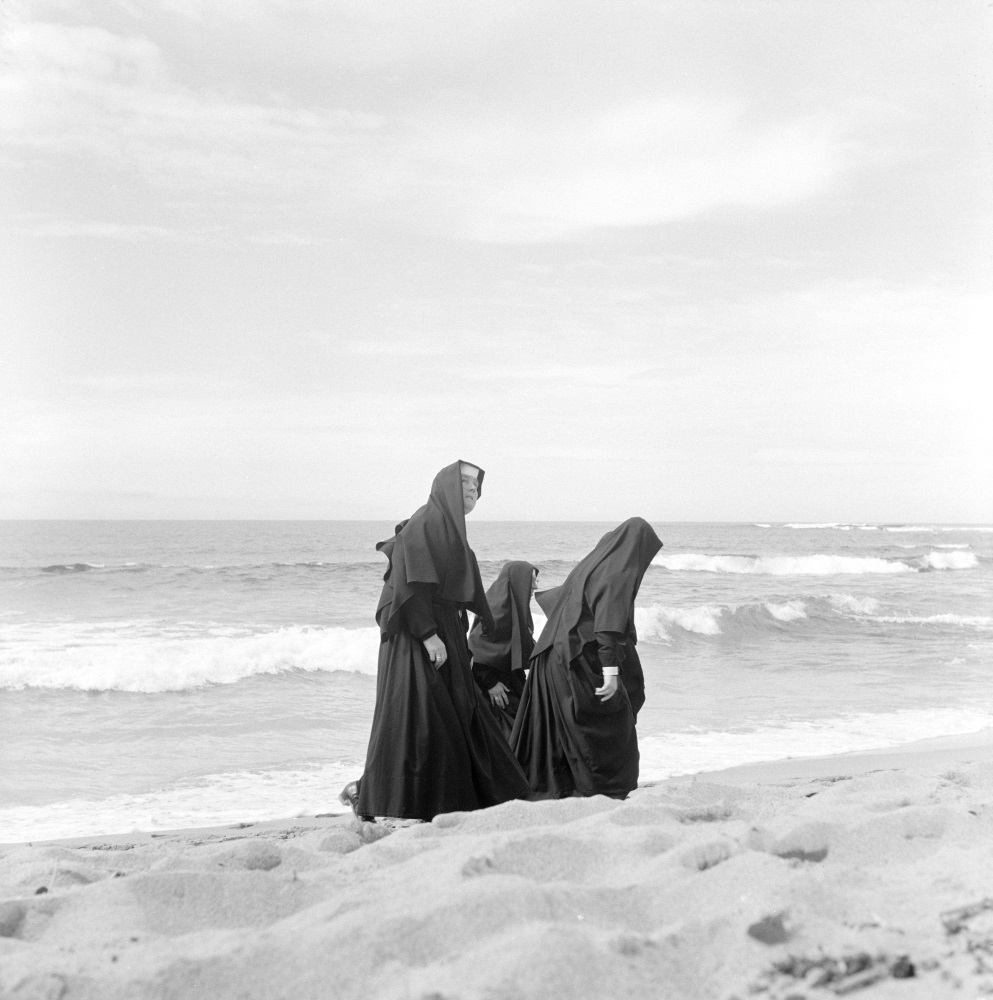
(498, 694)
(436, 651)
(608, 689)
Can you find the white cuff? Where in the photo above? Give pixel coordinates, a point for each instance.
(611, 671)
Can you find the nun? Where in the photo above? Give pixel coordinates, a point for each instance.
(575, 728)
(499, 659)
(434, 746)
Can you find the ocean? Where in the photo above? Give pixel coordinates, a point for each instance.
(166, 674)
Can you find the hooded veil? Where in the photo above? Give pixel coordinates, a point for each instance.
(501, 656)
(511, 638)
(606, 583)
(430, 550)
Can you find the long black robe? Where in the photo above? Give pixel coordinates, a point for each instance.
(501, 656)
(434, 746)
(567, 740)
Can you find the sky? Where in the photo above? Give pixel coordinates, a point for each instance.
(688, 260)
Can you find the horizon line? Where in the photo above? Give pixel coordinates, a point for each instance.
(512, 520)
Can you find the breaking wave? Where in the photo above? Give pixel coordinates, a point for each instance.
(855, 605)
(95, 659)
(815, 565)
(951, 560)
(662, 623)
(868, 608)
(819, 525)
(812, 565)
(655, 623)
(789, 612)
(856, 526)
(982, 622)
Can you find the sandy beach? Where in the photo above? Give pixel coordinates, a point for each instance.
(867, 874)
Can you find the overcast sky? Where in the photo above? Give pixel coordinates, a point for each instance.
(691, 260)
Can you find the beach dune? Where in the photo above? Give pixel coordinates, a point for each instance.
(868, 875)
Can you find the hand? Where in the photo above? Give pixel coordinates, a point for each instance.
(436, 651)
(608, 689)
(498, 694)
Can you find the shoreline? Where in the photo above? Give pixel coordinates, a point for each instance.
(971, 747)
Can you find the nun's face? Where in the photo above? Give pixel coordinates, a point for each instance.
(470, 491)
(534, 580)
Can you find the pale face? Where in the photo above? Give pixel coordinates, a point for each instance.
(534, 580)
(470, 491)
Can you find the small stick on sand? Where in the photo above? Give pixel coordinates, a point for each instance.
(955, 920)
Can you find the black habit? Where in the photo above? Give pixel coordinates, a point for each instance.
(501, 656)
(434, 746)
(567, 740)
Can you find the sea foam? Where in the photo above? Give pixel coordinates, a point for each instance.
(818, 525)
(857, 605)
(210, 800)
(982, 622)
(813, 565)
(951, 560)
(655, 622)
(789, 612)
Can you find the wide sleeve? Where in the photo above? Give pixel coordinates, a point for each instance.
(412, 578)
(610, 651)
(418, 614)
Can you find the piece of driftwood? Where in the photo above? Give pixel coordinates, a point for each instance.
(955, 920)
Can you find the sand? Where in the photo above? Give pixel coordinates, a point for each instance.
(867, 875)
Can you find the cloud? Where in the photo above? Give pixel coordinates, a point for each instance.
(636, 164)
(502, 123)
(342, 34)
(86, 95)
(470, 162)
